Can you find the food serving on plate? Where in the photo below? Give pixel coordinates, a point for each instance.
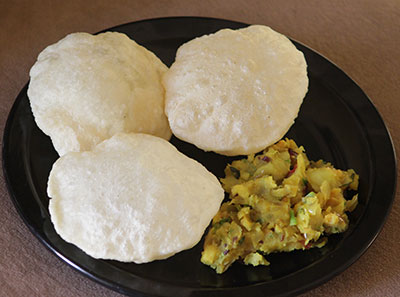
(279, 201)
(235, 92)
(134, 197)
(123, 195)
(86, 88)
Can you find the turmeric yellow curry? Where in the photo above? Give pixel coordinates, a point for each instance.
(278, 201)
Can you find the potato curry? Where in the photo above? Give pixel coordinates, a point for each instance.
(279, 201)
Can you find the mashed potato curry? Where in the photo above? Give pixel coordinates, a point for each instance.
(279, 201)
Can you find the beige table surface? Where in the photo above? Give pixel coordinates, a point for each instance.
(361, 37)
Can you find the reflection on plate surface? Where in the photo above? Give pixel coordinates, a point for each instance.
(337, 123)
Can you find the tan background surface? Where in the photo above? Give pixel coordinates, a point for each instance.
(361, 37)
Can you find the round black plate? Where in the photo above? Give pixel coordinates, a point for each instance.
(337, 123)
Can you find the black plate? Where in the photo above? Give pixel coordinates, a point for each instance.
(337, 122)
